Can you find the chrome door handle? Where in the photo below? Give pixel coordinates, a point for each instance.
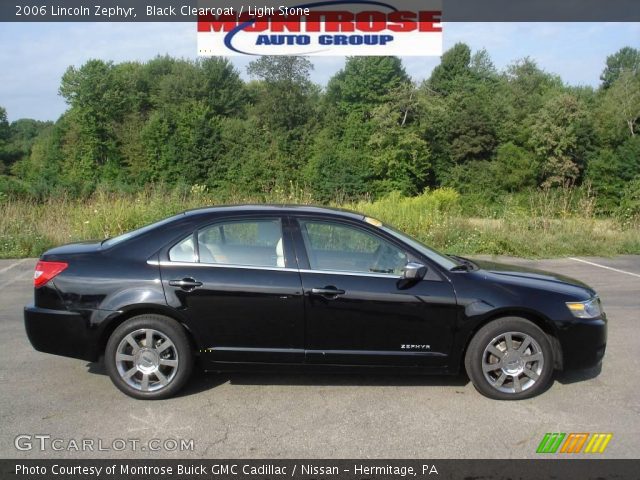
(327, 291)
(187, 284)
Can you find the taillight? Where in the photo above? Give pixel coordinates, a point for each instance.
(45, 271)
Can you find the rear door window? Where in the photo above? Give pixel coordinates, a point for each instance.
(237, 242)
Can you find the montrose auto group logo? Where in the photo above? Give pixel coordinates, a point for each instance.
(324, 28)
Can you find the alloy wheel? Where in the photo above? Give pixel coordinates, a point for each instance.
(147, 360)
(512, 362)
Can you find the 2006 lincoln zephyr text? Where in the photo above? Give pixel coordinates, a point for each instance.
(304, 287)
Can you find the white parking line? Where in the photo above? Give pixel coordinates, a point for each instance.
(6, 269)
(605, 267)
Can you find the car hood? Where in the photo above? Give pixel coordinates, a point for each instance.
(533, 277)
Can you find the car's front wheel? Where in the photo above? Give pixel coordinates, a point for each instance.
(510, 359)
(149, 357)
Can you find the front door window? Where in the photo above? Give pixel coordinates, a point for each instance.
(343, 248)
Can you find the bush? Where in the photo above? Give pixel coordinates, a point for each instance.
(629, 209)
(11, 187)
(540, 223)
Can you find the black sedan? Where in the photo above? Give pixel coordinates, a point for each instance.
(304, 288)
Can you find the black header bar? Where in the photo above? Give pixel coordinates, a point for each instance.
(185, 10)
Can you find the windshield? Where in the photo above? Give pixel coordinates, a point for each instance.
(110, 242)
(439, 258)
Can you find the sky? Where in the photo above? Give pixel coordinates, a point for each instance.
(33, 56)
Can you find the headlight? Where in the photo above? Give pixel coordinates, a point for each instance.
(587, 309)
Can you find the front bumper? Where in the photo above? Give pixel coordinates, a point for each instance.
(583, 342)
(59, 332)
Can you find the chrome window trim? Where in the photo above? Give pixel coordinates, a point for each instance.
(165, 263)
(352, 274)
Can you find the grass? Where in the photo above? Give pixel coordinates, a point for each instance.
(539, 224)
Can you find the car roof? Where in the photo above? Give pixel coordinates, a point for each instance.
(279, 209)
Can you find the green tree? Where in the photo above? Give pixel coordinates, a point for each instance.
(515, 168)
(525, 91)
(625, 60)
(181, 144)
(96, 107)
(4, 137)
(283, 100)
(609, 172)
(41, 169)
(20, 137)
(621, 106)
(482, 67)
(454, 68)
(366, 82)
(370, 132)
(341, 165)
(471, 130)
(401, 158)
(355, 154)
(178, 82)
(560, 137)
(283, 108)
(459, 114)
(225, 91)
(4, 125)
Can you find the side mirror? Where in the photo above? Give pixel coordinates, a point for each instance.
(414, 271)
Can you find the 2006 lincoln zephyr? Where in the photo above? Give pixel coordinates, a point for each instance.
(304, 287)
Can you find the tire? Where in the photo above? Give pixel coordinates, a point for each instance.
(149, 373)
(510, 359)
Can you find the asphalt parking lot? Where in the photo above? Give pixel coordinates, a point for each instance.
(322, 416)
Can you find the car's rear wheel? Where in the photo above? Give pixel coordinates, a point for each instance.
(149, 357)
(510, 359)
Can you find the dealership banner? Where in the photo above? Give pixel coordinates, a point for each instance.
(319, 469)
(190, 10)
(322, 28)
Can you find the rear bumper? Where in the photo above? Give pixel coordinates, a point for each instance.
(59, 332)
(583, 343)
